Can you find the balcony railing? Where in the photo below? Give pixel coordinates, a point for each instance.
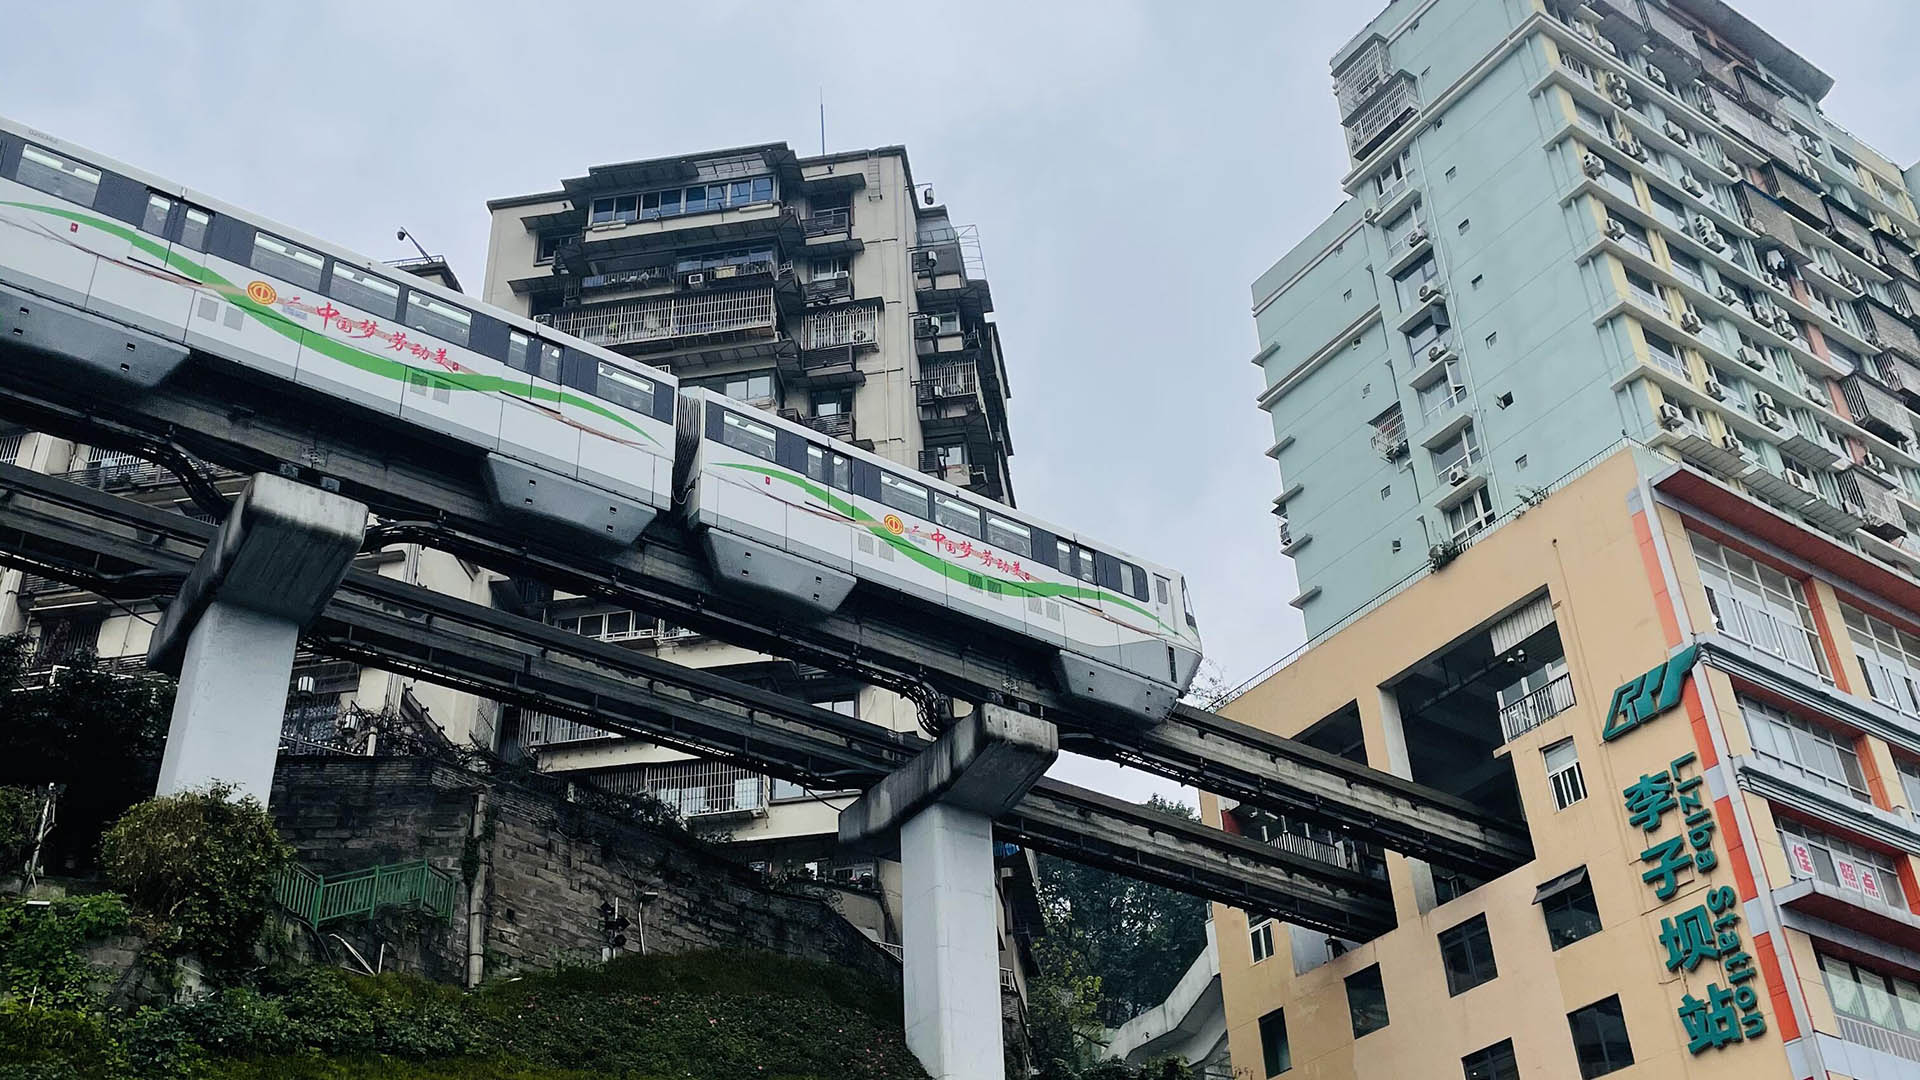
(694, 788)
(827, 222)
(666, 318)
(1390, 437)
(1522, 716)
(1767, 632)
(838, 425)
(10, 446)
(827, 290)
(1361, 77)
(1877, 411)
(541, 729)
(949, 380)
(859, 325)
(1378, 120)
(1885, 1040)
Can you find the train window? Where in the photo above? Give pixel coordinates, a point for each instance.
(159, 208)
(621, 388)
(533, 356)
(829, 468)
(364, 291)
(442, 320)
(289, 262)
(58, 175)
(1159, 590)
(903, 495)
(193, 229)
(1081, 567)
(950, 513)
(1186, 605)
(1009, 536)
(743, 434)
(1132, 581)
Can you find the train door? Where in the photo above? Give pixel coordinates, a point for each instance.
(1088, 629)
(132, 281)
(816, 528)
(532, 427)
(448, 385)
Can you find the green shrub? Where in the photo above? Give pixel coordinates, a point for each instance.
(44, 1044)
(42, 956)
(201, 865)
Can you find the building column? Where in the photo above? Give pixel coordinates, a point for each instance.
(936, 813)
(231, 633)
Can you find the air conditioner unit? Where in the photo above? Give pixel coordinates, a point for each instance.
(1826, 271)
(1716, 390)
(1762, 400)
(1631, 147)
(1437, 353)
(1431, 291)
(1659, 79)
(1751, 357)
(1616, 81)
(1899, 232)
(861, 335)
(1730, 167)
(1614, 229)
(1779, 125)
(1457, 475)
(1676, 133)
(1726, 295)
(1671, 417)
(1372, 215)
(1754, 226)
(1690, 321)
(1733, 444)
(1810, 144)
(1585, 30)
(1803, 166)
(1852, 281)
(543, 320)
(1801, 481)
(1775, 282)
(1692, 184)
(1767, 416)
(1607, 46)
(1816, 395)
(1875, 462)
(1417, 237)
(1592, 164)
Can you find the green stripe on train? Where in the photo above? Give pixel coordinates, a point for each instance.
(954, 571)
(384, 367)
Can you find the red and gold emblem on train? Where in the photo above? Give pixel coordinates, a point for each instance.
(894, 524)
(262, 293)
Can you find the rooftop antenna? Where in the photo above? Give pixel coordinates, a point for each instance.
(402, 234)
(823, 121)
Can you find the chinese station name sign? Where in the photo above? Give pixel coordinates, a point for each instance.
(1707, 931)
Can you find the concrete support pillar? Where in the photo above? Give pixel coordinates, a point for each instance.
(936, 814)
(230, 634)
(950, 942)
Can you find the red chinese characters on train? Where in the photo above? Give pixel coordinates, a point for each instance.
(963, 547)
(396, 340)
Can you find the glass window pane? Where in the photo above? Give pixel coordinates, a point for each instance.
(1014, 538)
(519, 351)
(951, 513)
(364, 291)
(743, 434)
(158, 208)
(57, 175)
(903, 495)
(440, 319)
(288, 262)
(622, 388)
(193, 234)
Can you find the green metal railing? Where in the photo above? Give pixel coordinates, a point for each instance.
(315, 899)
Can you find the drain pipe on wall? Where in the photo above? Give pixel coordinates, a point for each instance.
(475, 864)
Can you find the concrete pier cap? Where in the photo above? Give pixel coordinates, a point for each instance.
(231, 633)
(984, 763)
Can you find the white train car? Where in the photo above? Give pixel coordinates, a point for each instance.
(790, 513)
(145, 272)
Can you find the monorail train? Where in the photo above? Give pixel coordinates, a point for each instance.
(145, 273)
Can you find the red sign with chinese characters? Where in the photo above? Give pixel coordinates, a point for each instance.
(1802, 858)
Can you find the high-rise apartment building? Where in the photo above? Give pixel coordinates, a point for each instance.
(1569, 223)
(1593, 415)
(833, 290)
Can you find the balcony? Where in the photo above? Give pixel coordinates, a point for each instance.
(1521, 716)
(1902, 377)
(1390, 109)
(698, 790)
(1877, 410)
(828, 290)
(837, 425)
(538, 729)
(1361, 77)
(823, 223)
(1884, 327)
(959, 474)
(1886, 1040)
(10, 446)
(673, 321)
(1873, 497)
(1390, 436)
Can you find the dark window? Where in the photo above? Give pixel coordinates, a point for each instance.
(437, 317)
(625, 388)
(193, 231)
(154, 221)
(903, 495)
(1570, 910)
(1273, 1042)
(1012, 537)
(1366, 1001)
(549, 243)
(1493, 1063)
(286, 261)
(532, 356)
(57, 175)
(374, 295)
(1600, 1038)
(744, 434)
(951, 513)
(1467, 953)
(829, 467)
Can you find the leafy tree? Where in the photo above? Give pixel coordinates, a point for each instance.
(201, 866)
(96, 733)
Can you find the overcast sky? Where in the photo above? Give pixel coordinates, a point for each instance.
(1131, 167)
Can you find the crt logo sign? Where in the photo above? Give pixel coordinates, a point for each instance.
(1639, 700)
